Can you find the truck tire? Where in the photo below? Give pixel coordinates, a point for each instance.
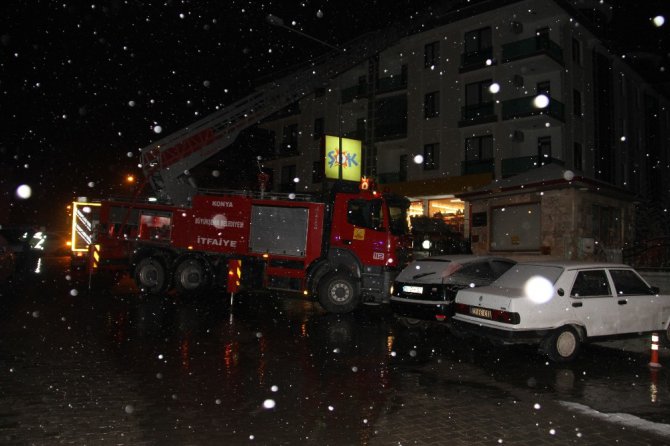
(151, 275)
(563, 344)
(192, 276)
(338, 293)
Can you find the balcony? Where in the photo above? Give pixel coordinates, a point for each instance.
(534, 46)
(514, 166)
(523, 107)
(354, 92)
(391, 83)
(477, 114)
(477, 166)
(477, 59)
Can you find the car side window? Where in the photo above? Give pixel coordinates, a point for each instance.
(627, 283)
(593, 283)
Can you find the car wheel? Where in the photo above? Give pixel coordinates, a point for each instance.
(563, 344)
(191, 276)
(151, 275)
(338, 293)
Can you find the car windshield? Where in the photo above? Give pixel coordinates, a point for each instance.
(518, 275)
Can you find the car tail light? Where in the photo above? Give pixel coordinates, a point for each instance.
(462, 308)
(505, 317)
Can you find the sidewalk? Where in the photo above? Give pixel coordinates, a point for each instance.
(641, 345)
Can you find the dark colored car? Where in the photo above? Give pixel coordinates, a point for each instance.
(425, 290)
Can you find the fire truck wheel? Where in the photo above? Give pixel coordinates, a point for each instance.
(338, 293)
(151, 275)
(191, 276)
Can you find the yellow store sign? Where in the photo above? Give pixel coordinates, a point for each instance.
(350, 159)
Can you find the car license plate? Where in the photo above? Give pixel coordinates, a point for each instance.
(480, 312)
(412, 289)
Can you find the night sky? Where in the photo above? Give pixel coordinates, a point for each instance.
(83, 85)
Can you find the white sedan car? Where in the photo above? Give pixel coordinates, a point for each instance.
(561, 305)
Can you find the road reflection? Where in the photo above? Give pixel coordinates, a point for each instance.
(273, 368)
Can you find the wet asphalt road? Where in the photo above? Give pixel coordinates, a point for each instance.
(110, 366)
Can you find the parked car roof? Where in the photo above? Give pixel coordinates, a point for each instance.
(426, 269)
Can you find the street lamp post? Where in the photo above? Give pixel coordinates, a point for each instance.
(278, 21)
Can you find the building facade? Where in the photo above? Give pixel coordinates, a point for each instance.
(487, 92)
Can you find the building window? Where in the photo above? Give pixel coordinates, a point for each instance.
(576, 51)
(431, 154)
(477, 40)
(544, 87)
(289, 142)
(402, 168)
(288, 174)
(478, 101)
(479, 148)
(391, 117)
(577, 155)
(543, 150)
(577, 103)
(318, 128)
(317, 172)
(478, 93)
(431, 55)
(431, 105)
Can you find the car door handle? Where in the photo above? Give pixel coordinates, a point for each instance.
(577, 304)
(622, 302)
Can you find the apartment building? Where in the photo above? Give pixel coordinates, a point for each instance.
(510, 120)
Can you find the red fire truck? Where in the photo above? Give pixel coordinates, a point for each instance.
(344, 246)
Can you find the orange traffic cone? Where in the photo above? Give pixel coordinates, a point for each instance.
(654, 351)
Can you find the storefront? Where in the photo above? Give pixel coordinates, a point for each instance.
(550, 212)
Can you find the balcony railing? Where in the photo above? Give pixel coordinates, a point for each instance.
(532, 47)
(514, 166)
(477, 113)
(391, 83)
(522, 107)
(476, 59)
(477, 166)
